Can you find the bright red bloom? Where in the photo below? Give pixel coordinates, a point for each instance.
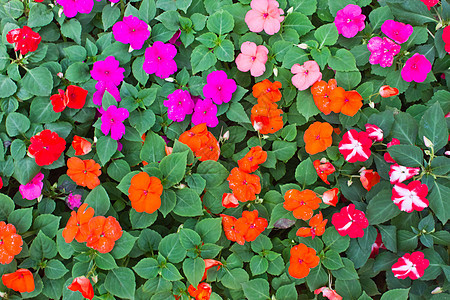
(350, 221)
(301, 203)
(302, 260)
(387, 157)
(376, 246)
(244, 186)
(1, 182)
(323, 170)
(374, 132)
(228, 224)
(202, 292)
(317, 224)
(410, 265)
(267, 91)
(81, 145)
(209, 263)
(20, 281)
(318, 137)
(251, 161)
(25, 39)
(103, 233)
(330, 197)
(328, 293)
(410, 197)
(46, 147)
(387, 91)
(10, 243)
(369, 178)
(73, 97)
(250, 226)
(355, 146)
(77, 227)
(446, 38)
(229, 200)
(430, 3)
(82, 285)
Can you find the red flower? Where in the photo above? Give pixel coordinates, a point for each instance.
(410, 265)
(10, 243)
(446, 38)
(229, 200)
(302, 260)
(374, 132)
(81, 145)
(328, 293)
(430, 3)
(73, 97)
(387, 91)
(350, 221)
(399, 173)
(330, 197)
(209, 263)
(202, 292)
(387, 157)
(25, 39)
(355, 146)
(250, 226)
(46, 147)
(251, 161)
(317, 227)
(228, 224)
(20, 281)
(410, 197)
(84, 286)
(244, 186)
(323, 170)
(103, 233)
(376, 246)
(301, 203)
(369, 178)
(1, 182)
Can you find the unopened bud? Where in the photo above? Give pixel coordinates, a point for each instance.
(290, 10)
(447, 153)
(2, 294)
(265, 137)
(130, 49)
(112, 4)
(303, 46)
(323, 160)
(372, 104)
(94, 278)
(257, 125)
(275, 71)
(362, 169)
(437, 290)
(439, 25)
(226, 135)
(169, 79)
(427, 152)
(60, 74)
(40, 198)
(95, 140)
(181, 186)
(349, 183)
(180, 227)
(427, 142)
(60, 12)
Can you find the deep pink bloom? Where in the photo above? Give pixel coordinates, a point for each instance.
(410, 197)
(416, 68)
(159, 59)
(410, 265)
(305, 75)
(387, 157)
(219, 88)
(399, 173)
(131, 31)
(430, 3)
(382, 51)
(349, 20)
(376, 246)
(174, 39)
(374, 132)
(350, 221)
(328, 293)
(101, 88)
(72, 7)
(205, 112)
(446, 39)
(32, 189)
(264, 15)
(108, 70)
(179, 104)
(355, 146)
(73, 201)
(112, 119)
(397, 31)
(252, 58)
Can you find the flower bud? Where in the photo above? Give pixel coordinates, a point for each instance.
(258, 126)
(290, 10)
(427, 142)
(60, 12)
(130, 49)
(169, 79)
(349, 183)
(372, 104)
(275, 71)
(303, 46)
(94, 278)
(447, 153)
(437, 290)
(226, 135)
(60, 74)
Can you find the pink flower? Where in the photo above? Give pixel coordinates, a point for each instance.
(399, 174)
(328, 293)
(205, 112)
(350, 221)
(131, 31)
(305, 75)
(101, 88)
(73, 201)
(416, 68)
(374, 132)
(72, 7)
(108, 70)
(430, 3)
(159, 59)
(218, 87)
(376, 246)
(398, 31)
(112, 119)
(386, 91)
(175, 37)
(446, 39)
(355, 146)
(382, 51)
(330, 197)
(410, 197)
(387, 157)
(410, 265)
(349, 20)
(179, 104)
(253, 58)
(264, 15)
(229, 200)
(32, 189)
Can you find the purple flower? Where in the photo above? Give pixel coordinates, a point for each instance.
(174, 39)
(102, 87)
(112, 119)
(73, 201)
(72, 7)
(416, 68)
(108, 70)
(218, 87)
(205, 112)
(159, 59)
(179, 104)
(32, 189)
(349, 20)
(131, 31)
(382, 51)
(399, 32)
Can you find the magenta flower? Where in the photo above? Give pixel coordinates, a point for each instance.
(410, 265)
(159, 59)
(387, 157)
(72, 7)
(205, 112)
(305, 75)
(219, 88)
(349, 20)
(398, 31)
(179, 104)
(131, 31)
(416, 68)
(264, 15)
(108, 70)
(101, 88)
(252, 58)
(112, 120)
(350, 221)
(410, 197)
(174, 39)
(73, 201)
(382, 51)
(32, 189)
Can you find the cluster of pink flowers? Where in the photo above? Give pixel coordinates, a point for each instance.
(109, 76)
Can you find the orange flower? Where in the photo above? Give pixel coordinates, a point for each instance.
(21, 281)
(210, 151)
(209, 263)
(267, 91)
(202, 142)
(10, 243)
(318, 137)
(77, 226)
(266, 117)
(228, 224)
(82, 285)
(245, 186)
(81, 145)
(321, 94)
(369, 178)
(323, 170)
(317, 225)
(347, 103)
(84, 172)
(251, 161)
(250, 226)
(145, 193)
(103, 233)
(301, 203)
(202, 292)
(302, 260)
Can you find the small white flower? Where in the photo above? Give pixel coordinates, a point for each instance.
(372, 104)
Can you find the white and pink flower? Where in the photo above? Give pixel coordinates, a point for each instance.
(410, 197)
(375, 133)
(355, 146)
(399, 173)
(410, 265)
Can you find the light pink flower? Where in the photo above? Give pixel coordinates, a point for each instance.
(205, 112)
(252, 58)
(410, 265)
(328, 293)
(355, 146)
(399, 173)
(159, 59)
(305, 75)
(349, 20)
(387, 157)
(382, 51)
(416, 68)
(131, 31)
(397, 31)
(410, 197)
(375, 133)
(32, 189)
(264, 15)
(179, 104)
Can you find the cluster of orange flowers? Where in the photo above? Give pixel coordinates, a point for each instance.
(202, 142)
(266, 117)
(245, 229)
(145, 193)
(99, 233)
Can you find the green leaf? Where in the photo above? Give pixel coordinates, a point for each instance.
(305, 173)
(343, 60)
(142, 220)
(142, 120)
(170, 272)
(279, 212)
(21, 218)
(395, 79)
(236, 113)
(173, 168)
(327, 35)
(39, 15)
(256, 289)
(397, 294)
(105, 261)
(431, 126)
(334, 241)
(123, 245)
(284, 150)
(110, 14)
(48, 224)
(189, 239)
(194, 268)
(202, 59)
(121, 282)
(441, 237)
(117, 169)
(299, 22)
(233, 279)
(406, 155)
(348, 80)
(350, 289)
(72, 30)
(384, 120)
(405, 128)
(209, 229)
(170, 247)
(55, 269)
(307, 7)
(25, 169)
(16, 124)
(258, 265)
(411, 11)
(42, 247)
(287, 292)
(317, 277)
(439, 198)
(332, 260)
(381, 208)
(98, 199)
(188, 203)
(64, 249)
(213, 172)
(153, 149)
(407, 241)
(305, 104)
(389, 236)
(78, 72)
(147, 10)
(379, 15)
(168, 202)
(107, 147)
(41, 111)
(147, 268)
(7, 86)
(347, 272)
(225, 51)
(220, 22)
(6, 206)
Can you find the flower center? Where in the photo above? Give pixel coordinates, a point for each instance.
(346, 100)
(250, 158)
(45, 148)
(300, 261)
(145, 193)
(245, 182)
(302, 203)
(106, 72)
(1, 241)
(306, 72)
(265, 15)
(349, 20)
(414, 66)
(252, 226)
(85, 171)
(253, 58)
(219, 88)
(159, 57)
(317, 137)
